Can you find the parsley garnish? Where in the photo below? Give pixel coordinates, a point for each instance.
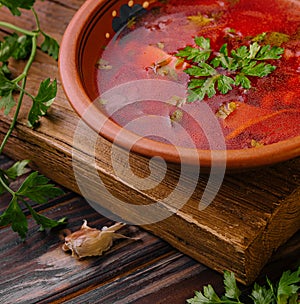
(220, 71)
(284, 292)
(199, 20)
(35, 187)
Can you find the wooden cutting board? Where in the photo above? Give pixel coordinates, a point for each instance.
(252, 215)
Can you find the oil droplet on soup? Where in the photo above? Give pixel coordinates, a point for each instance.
(145, 49)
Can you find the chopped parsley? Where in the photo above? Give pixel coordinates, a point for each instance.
(199, 20)
(276, 38)
(176, 116)
(226, 109)
(255, 143)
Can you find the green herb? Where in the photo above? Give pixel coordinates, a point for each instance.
(15, 5)
(34, 187)
(131, 22)
(259, 38)
(276, 38)
(226, 109)
(176, 116)
(23, 44)
(50, 46)
(42, 101)
(254, 143)
(284, 292)
(199, 20)
(211, 72)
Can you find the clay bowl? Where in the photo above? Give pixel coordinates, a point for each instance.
(91, 29)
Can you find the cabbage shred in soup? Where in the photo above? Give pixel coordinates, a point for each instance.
(240, 57)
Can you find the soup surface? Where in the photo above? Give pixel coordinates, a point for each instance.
(249, 116)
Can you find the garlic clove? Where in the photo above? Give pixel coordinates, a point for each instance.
(90, 241)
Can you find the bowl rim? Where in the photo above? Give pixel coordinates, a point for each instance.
(80, 101)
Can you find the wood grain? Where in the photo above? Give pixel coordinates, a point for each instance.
(144, 271)
(253, 214)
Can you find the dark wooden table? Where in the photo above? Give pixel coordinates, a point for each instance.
(147, 270)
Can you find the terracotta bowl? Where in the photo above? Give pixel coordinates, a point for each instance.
(91, 29)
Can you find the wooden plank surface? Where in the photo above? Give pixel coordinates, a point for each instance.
(253, 214)
(146, 270)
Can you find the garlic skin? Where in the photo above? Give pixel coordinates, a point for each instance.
(90, 241)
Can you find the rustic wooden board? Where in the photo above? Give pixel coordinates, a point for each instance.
(39, 271)
(141, 272)
(144, 271)
(253, 214)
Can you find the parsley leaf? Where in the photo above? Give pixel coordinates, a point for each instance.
(203, 69)
(261, 295)
(43, 101)
(7, 102)
(14, 215)
(8, 46)
(15, 46)
(224, 70)
(284, 292)
(242, 80)
(14, 6)
(37, 188)
(232, 291)
(259, 70)
(240, 54)
(17, 169)
(268, 52)
(6, 85)
(208, 296)
(23, 47)
(225, 84)
(197, 54)
(4, 69)
(287, 286)
(43, 221)
(253, 50)
(50, 46)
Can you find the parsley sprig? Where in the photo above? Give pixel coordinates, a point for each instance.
(220, 71)
(22, 44)
(284, 292)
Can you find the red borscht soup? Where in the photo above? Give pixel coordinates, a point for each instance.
(241, 58)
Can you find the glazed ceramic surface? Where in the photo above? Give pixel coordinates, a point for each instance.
(94, 25)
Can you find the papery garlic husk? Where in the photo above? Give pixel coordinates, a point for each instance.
(90, 241)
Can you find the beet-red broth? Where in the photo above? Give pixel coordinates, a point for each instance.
(146, 48)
